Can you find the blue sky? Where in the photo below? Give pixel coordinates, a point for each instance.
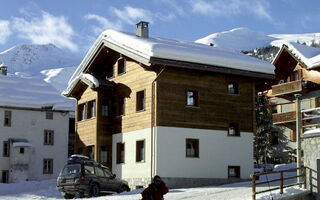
(73, 25)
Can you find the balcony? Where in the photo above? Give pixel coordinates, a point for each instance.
(284, 118)
(288, 88)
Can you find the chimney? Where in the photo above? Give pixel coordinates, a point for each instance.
(3, 69)
(142, 29)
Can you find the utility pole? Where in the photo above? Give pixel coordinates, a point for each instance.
(298, 136)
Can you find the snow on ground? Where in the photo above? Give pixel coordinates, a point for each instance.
(237, 191)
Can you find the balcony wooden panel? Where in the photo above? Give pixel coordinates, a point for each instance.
(287, 88)
(284, 118)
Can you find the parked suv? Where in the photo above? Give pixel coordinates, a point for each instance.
(87, 178)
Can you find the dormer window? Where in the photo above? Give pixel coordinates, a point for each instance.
(121, 66)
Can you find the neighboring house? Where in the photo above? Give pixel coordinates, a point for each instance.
(297, 72)
(34, 124)
(152, 106)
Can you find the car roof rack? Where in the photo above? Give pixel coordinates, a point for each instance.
(77, 158)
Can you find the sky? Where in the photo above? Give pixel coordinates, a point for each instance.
(73, 25)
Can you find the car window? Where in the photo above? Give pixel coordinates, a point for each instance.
(99, 171)
(70, 169)
(107, 173)
(89, 170)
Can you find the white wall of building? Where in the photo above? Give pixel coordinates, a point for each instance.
(30, 125)
(217, 151)
(130, 168)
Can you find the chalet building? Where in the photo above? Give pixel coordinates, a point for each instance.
(297, 72)
(153, 106)
(34, 123)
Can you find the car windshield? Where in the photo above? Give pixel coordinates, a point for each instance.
(71, 169)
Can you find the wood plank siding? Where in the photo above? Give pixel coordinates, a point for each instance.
(216, 110)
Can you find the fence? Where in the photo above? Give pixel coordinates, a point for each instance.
(281, 179)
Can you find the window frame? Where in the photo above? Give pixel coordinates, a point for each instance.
(7, 120)
(142, 106)
(21, 150)
(48, 137)
(121, 107)
(237, 129)
(107, 154)
(81, 112)
(195, 98)
(237, 170)
(235, 87)
(47, 162)
(138, 148)
(105, 104)
(111, 75)
(6, 176)
(119, 150)
(196, 148)
(91, 109)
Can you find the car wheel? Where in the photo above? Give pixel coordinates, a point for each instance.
(68, 196)
(95, 190)
(123, 188)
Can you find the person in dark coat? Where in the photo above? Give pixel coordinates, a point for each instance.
(156, 190)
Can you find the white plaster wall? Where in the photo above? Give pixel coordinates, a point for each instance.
(31, 125)
(130, 168)
(217, 151)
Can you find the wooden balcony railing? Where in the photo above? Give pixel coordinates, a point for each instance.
(287, 88)
(282, 118)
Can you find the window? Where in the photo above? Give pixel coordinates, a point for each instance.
(109, 71)
(81, 112)
(7, 118)
(5, 176)
(121, 66)
(105, 109)
(48, 137)
(91, 109)
(104, 154)
(192, 148)
(99, 172)
(120, 153)
(292, 135)
(88, 170)
(233, 130)
(192, 98)
(47, 166)
(49, 115)
(107, 173)
(6, 149)
(140, 101)
(274, 109)
(21, 150)
(121, 107)
(140, 151)
(234, 171)
(233, 88)
(295, 76)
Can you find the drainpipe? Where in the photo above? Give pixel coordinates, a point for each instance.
(152, 123)
(298, 136)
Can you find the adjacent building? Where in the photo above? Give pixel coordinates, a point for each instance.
(34, 125)
(153, 106)
(297, 73)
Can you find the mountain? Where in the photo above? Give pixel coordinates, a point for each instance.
(257, 44)
(237, 39)
(48, 62)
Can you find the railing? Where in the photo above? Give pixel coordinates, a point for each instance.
(280, 118)
(287, 88)
(281, 179)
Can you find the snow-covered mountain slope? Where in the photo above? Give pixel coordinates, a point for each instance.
(243, 39)
(41, 61)
(237, 39)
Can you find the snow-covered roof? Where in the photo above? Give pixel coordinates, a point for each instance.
(22, 92)
(21, 144)
(144, 49)
(310, 56)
